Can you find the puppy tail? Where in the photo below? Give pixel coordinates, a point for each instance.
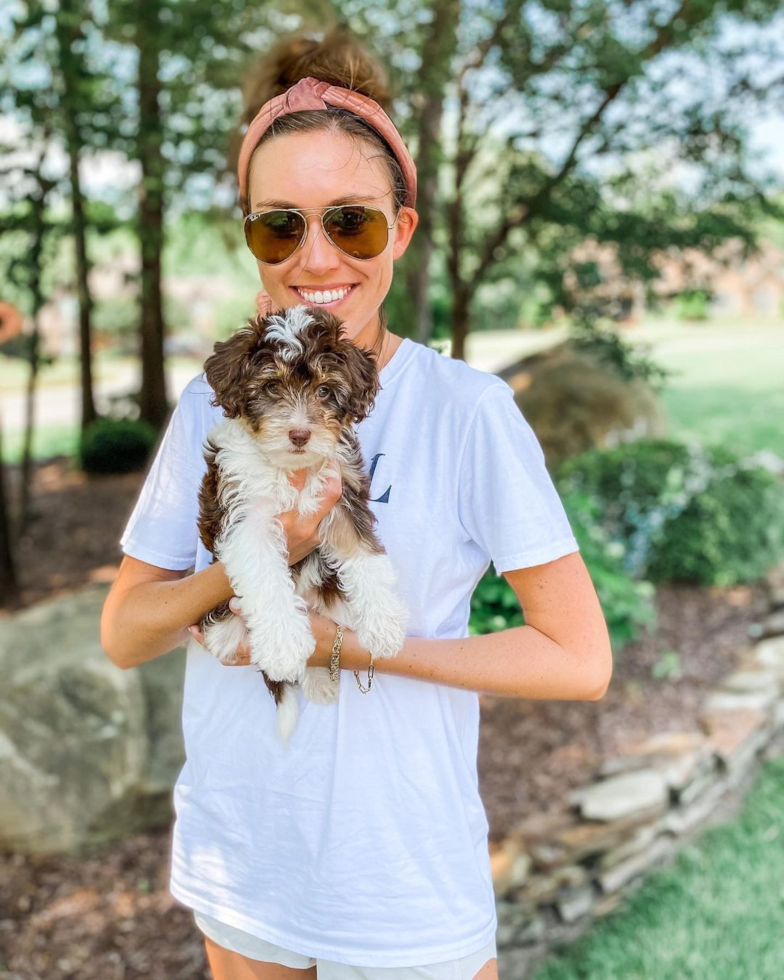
(288, 713)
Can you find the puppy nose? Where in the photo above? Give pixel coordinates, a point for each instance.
(299, 437)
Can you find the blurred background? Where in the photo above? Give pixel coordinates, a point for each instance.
(601, 200)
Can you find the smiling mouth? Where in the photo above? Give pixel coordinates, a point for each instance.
(312, 298)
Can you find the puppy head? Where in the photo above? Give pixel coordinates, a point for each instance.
(295, 382)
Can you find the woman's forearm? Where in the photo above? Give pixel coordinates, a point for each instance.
(521, 662)
(151, 618)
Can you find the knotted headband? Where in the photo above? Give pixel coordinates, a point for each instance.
(310, 93)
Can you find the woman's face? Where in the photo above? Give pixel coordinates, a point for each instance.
(312, 170)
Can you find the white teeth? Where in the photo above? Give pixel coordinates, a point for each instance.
(320, 296)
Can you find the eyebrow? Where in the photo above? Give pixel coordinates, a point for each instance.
(349, 199)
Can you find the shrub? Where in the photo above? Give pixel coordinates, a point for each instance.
(116, 446)
(683, 512)
(627, 604)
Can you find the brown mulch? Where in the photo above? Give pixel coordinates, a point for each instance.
(107, 915)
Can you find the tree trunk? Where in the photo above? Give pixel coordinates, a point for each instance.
(69, 31)
(83, 289)
(9, 590)
(436, 73)
(152, 397)
(461, 321)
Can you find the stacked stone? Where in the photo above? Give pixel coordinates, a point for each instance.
(555, 873)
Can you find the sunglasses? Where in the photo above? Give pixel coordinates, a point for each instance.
(357, 230)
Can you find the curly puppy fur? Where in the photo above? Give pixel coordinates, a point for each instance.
(291, 388)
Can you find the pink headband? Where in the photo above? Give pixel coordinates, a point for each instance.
(310, 93)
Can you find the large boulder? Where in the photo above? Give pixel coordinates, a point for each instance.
(88, 752)
(574, 403)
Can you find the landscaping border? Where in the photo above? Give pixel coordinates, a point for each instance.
(556, 873)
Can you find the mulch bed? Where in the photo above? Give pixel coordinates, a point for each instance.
(107, 915)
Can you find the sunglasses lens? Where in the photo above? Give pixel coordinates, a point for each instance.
(357, 231)
(274, 235)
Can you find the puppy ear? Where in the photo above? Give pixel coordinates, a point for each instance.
(363, 372)
(229, 367)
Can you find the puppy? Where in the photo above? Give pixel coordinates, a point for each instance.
(291, 387)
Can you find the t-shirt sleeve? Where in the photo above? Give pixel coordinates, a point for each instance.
(507, 501)
(163, 529)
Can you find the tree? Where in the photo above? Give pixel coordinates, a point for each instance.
(597, 79)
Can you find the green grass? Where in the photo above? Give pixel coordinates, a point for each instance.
(716, 914)
(53, 440)
(731, 397)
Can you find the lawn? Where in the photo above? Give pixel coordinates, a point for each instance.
(727, 390)
(717, 912)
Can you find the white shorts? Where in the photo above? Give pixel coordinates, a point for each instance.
(465, 968)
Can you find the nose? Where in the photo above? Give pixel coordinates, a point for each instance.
(299, 437)
(320, 254)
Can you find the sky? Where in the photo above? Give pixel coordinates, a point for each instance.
(109, 174)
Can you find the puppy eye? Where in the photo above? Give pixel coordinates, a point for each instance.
(272, 387)
(323, 391)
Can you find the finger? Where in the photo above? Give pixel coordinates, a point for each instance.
(297, 478)
(235, 606)
(197, 634)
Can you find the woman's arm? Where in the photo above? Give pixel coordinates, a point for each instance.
(149, 609)
(562, 653)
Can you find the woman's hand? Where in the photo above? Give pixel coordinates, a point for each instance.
(302, 532)
(322, 628)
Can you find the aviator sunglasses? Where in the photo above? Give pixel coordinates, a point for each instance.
(274, 236)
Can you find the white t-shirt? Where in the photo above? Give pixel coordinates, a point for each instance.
(366, 841)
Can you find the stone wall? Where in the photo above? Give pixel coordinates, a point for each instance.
(557, 873)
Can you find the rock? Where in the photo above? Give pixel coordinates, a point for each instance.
(695, 789)
(640, 841)
(733, 701)
(770, 654)
(773, 624)
(509, 866)
(542, 888)
(576, 904)
(573, 403)
(622, 796)
(518, 924)
(588, 839)
(774, 581)
(615, 878)
(682, 822)
(751, 682)
(88, 752)
(728, 730)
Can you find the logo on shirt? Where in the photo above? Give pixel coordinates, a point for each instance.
(384, 498)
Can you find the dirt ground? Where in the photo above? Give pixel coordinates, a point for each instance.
(107, 915)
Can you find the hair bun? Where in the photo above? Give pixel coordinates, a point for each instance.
(338, 58)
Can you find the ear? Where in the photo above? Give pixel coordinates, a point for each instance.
(364, 380)
(229, 367)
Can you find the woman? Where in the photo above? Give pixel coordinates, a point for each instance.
(361, 850)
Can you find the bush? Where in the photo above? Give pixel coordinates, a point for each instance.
(627, 604)
(116, 446)
(683, 512)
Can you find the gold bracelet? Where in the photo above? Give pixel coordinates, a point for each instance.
(334, 660)
(371, 672)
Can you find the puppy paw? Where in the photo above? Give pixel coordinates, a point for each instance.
(317, 687)
(282, 654)
(222, 638)
(385, 641)
(384, 635)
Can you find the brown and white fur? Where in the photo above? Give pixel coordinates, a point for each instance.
(291, 387)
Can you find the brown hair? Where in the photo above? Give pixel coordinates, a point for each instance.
(339, 59)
